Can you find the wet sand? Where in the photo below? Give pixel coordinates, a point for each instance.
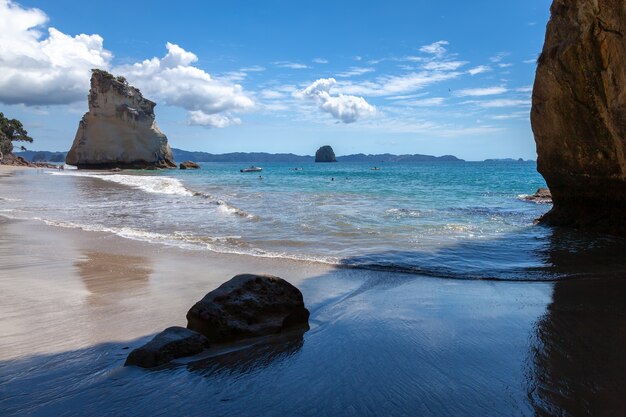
(73, 304)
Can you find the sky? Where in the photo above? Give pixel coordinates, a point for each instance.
(429, 77)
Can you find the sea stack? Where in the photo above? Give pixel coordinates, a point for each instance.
(325, 154)
(119, 130)
(579, 114)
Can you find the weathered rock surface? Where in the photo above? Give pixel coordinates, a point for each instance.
(248, 306)
(189, 165)
(541, 196)
(579, 114)
(171, 343)
(325, 154)
(119, 130)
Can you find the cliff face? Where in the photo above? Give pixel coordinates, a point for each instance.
(325, 154)
(119, 130)
(579, 114)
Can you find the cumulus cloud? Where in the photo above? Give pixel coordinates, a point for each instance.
(38, 69)
(478, 92)
(199, 118)
(346, 108)
(176, 82)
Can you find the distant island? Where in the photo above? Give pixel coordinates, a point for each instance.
(259, 157)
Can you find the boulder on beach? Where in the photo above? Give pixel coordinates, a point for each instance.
(171, 343)
(578, 114)
(119, 130)
(325, 154)
(189, 165)
(248, 306)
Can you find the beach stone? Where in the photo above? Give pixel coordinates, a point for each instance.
(119, 130)
(171, 343)
(578, 114)
(541, 196)
(248, 306)
(189, 165)
(325, 154)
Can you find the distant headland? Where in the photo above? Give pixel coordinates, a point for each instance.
(260, 157)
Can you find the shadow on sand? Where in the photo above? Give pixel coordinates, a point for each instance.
(575, 357)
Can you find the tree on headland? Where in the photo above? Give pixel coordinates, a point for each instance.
(11, 130)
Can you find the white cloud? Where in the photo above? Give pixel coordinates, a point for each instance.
(425, 102)
(444, 65)
(174, 81)
(505, 65)
(346, 108)
(320, 61)
(479, 70)
(355, 71)
(524, 115)
(290, 65)
(199, 118)
(503, 102)
(43, 70)
(397, 84)
(435, 48)
(478, 92)
(499, 57)
(525, 89)
(272, 94)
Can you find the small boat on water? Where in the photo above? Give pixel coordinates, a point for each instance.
(251, 169)
(375, 169)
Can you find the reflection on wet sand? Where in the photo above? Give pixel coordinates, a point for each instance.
(251, 358)
(579, 356)
(107, 273)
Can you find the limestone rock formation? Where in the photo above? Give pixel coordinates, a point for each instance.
(248, 306)
(579, 114)
(119, 130)
(325, 154)
(189, 165)
(171, 343)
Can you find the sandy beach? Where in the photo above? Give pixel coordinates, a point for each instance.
(73, 303)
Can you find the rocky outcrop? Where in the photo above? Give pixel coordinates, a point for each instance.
(325, 154)
(248, 306)
(119, 130)
(541, 196)
(579, 114)
(189, 165)
(171, 343)
(18, 161)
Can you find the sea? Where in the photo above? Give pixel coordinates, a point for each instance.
(461, 220)
(432, 292)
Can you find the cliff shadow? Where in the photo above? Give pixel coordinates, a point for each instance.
(578, 361)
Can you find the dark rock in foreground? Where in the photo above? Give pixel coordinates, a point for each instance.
(579, 114)
(541, 196)
(189, 165)
(248, 306)
(171, 343)
(325, 154)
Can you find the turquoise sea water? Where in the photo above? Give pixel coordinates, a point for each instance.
(443, 219)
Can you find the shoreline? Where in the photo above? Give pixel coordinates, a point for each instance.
(74, 303)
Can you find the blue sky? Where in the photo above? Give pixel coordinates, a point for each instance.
(445, 77)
